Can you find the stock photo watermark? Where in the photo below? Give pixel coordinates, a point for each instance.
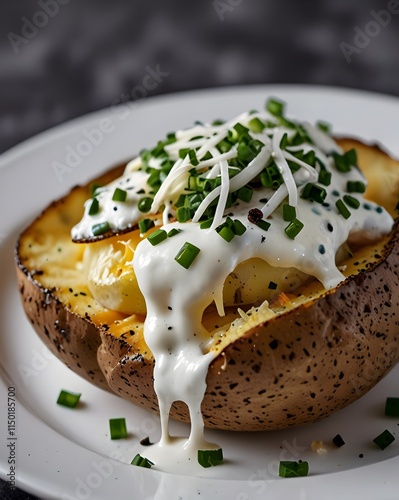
(223, 7)
(11, 440)
(363, 36)
(47, 10)
(39, 362)
(94, 137)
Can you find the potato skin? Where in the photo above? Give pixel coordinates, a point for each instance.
(72, 339)
(294, 369)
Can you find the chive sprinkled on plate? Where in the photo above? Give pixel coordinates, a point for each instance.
(210, 458)
(293, 469)
(384, 439)
(117, 428)
(68, 399)
(140, 461)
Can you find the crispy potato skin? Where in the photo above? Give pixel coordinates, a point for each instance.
(297, 368)
(73, 339)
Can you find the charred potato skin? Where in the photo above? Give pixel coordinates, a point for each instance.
(294, 369)
(297, 368)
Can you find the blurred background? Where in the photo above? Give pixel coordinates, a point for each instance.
(60, 59)
(63, 58)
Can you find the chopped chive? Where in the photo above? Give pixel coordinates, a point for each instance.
(293, 228)
(117, 428)
(245, 194)
(68, 399)
(206, 224)
(384, 439)
(324, 126)
(342, 209)
(157, 237)
(338, 441)
(355, 187)
(145, 225)
(256, 125)
(351, 201)
(314, 192)
(263, 224)
(144, 204)
(342, 163)
(272, 285)
(351, 157)
(289, 212)
(239, 228)
(183, 153)
(218, 122)
(94, 190)
(392, 407)
(284, 141)
(173, 232)
(171, 137)
(187, 254)
(325, 177)
(310, 158)
(101, 228)
(225, 232)
(207, 156)
(142, 462)
(224, 146)
(266, 179)
(193, 157)
(246, 152)
(94, 207)
(119, 195)
(241, 130)
(293, 469)
(209, 458)
(275, 107)
(183, 214)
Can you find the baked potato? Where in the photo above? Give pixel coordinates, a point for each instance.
(293, 357)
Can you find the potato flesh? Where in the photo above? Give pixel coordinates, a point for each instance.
(113, 284)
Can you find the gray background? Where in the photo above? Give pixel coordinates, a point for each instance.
(93, 53)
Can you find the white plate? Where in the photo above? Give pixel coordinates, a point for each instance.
(67, 454)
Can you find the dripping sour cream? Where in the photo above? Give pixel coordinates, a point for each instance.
(258, 186)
